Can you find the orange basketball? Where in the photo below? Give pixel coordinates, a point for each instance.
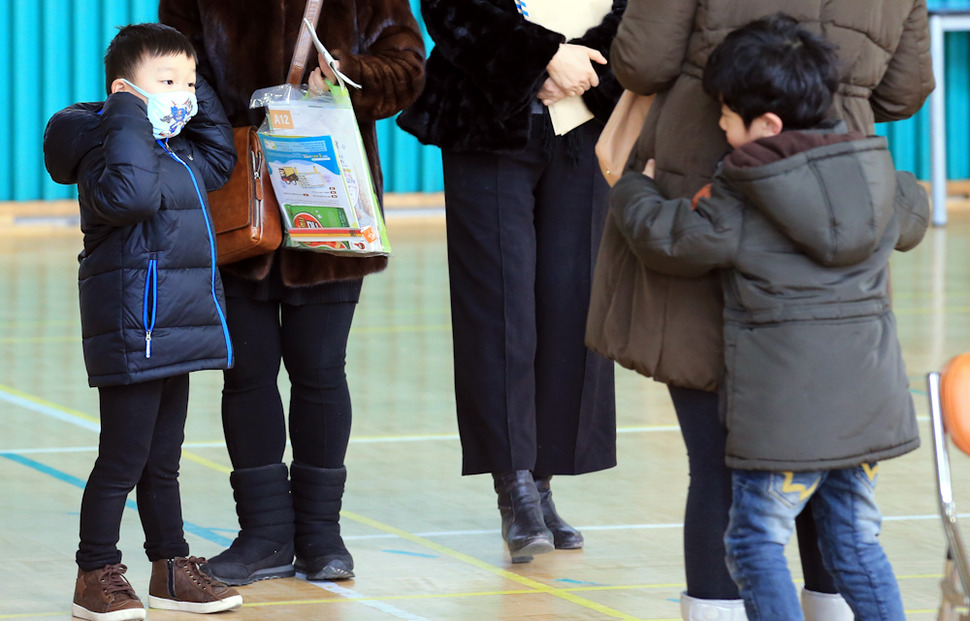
(955, 400)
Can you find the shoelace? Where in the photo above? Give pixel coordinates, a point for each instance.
(114, 580)
(193, 564)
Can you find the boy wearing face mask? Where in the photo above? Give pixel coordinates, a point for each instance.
(151, 302)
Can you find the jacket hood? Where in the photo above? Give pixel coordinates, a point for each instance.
(825, 189)
(70, 135)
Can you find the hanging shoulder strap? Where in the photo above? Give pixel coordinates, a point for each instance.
(301, 53)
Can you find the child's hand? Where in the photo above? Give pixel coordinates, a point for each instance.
(650, 168)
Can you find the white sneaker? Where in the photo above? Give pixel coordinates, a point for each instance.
(825, 607)
(693, 609)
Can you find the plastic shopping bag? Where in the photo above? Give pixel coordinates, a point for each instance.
(320, 172)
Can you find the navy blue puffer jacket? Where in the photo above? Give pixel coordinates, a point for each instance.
(150, 295)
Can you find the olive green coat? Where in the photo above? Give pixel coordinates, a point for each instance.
(799, 227)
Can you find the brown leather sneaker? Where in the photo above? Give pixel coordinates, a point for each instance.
(180, 584)
(106, 595)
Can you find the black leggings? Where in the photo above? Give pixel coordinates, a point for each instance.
(142, 428)
(311, 340)
(709, 501)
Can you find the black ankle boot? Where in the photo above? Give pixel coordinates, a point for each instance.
(565, 536)
(264, 547)
(317, 497)
(523, 528)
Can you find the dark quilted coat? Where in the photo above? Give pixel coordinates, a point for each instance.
(150, 295)
(799, 227)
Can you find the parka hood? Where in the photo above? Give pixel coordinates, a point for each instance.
(70, 135)
(825, 189)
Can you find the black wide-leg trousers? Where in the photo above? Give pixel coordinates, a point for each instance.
(523, 232)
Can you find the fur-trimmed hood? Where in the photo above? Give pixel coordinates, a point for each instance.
(832, 232)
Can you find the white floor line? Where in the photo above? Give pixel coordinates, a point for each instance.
(495, 531)
(393, 439)
(51, 411)
(614, 527)
(358, 598)
(459, 533)
(916, 518)
(219, 443)
(34, 451)
(67, 417)
(94, 449)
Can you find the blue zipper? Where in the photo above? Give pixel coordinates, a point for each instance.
(150, 308)
(212, 248)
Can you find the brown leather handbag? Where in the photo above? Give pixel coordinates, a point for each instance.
(620, 134)
(245, 213)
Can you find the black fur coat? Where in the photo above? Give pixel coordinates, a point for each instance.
(243, 45)
(485, 70)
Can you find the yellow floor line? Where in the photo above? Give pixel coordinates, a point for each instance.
(565, 594)
(340, 600)
(533, 586)
(528, 591)
(208, 463)
(49, 404)
(38, 339)
(427, 543)
(14, 340)
(18, 324)
(955, 310)
(443, 327)
(471, 560)
(94, 419)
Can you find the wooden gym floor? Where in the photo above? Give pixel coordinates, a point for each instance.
(425, 540)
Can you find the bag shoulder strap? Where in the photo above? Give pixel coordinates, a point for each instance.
(301, 52)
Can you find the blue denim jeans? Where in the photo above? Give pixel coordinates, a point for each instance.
(762, 520)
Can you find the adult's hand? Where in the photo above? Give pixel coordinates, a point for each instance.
(321, 73)
(572, 68)
(550, 92)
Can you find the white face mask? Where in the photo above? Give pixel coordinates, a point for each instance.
(168, 111)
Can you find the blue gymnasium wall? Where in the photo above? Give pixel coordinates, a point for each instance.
(52, 50)
(51, 56)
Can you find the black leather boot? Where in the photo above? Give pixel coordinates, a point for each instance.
(523, 528)
(264, 547)
(565, 536)
(317, 497)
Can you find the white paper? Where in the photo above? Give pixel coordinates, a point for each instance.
(570, 18)
(569, 113)
(331, 61)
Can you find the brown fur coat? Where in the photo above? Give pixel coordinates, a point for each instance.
(244, 45)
